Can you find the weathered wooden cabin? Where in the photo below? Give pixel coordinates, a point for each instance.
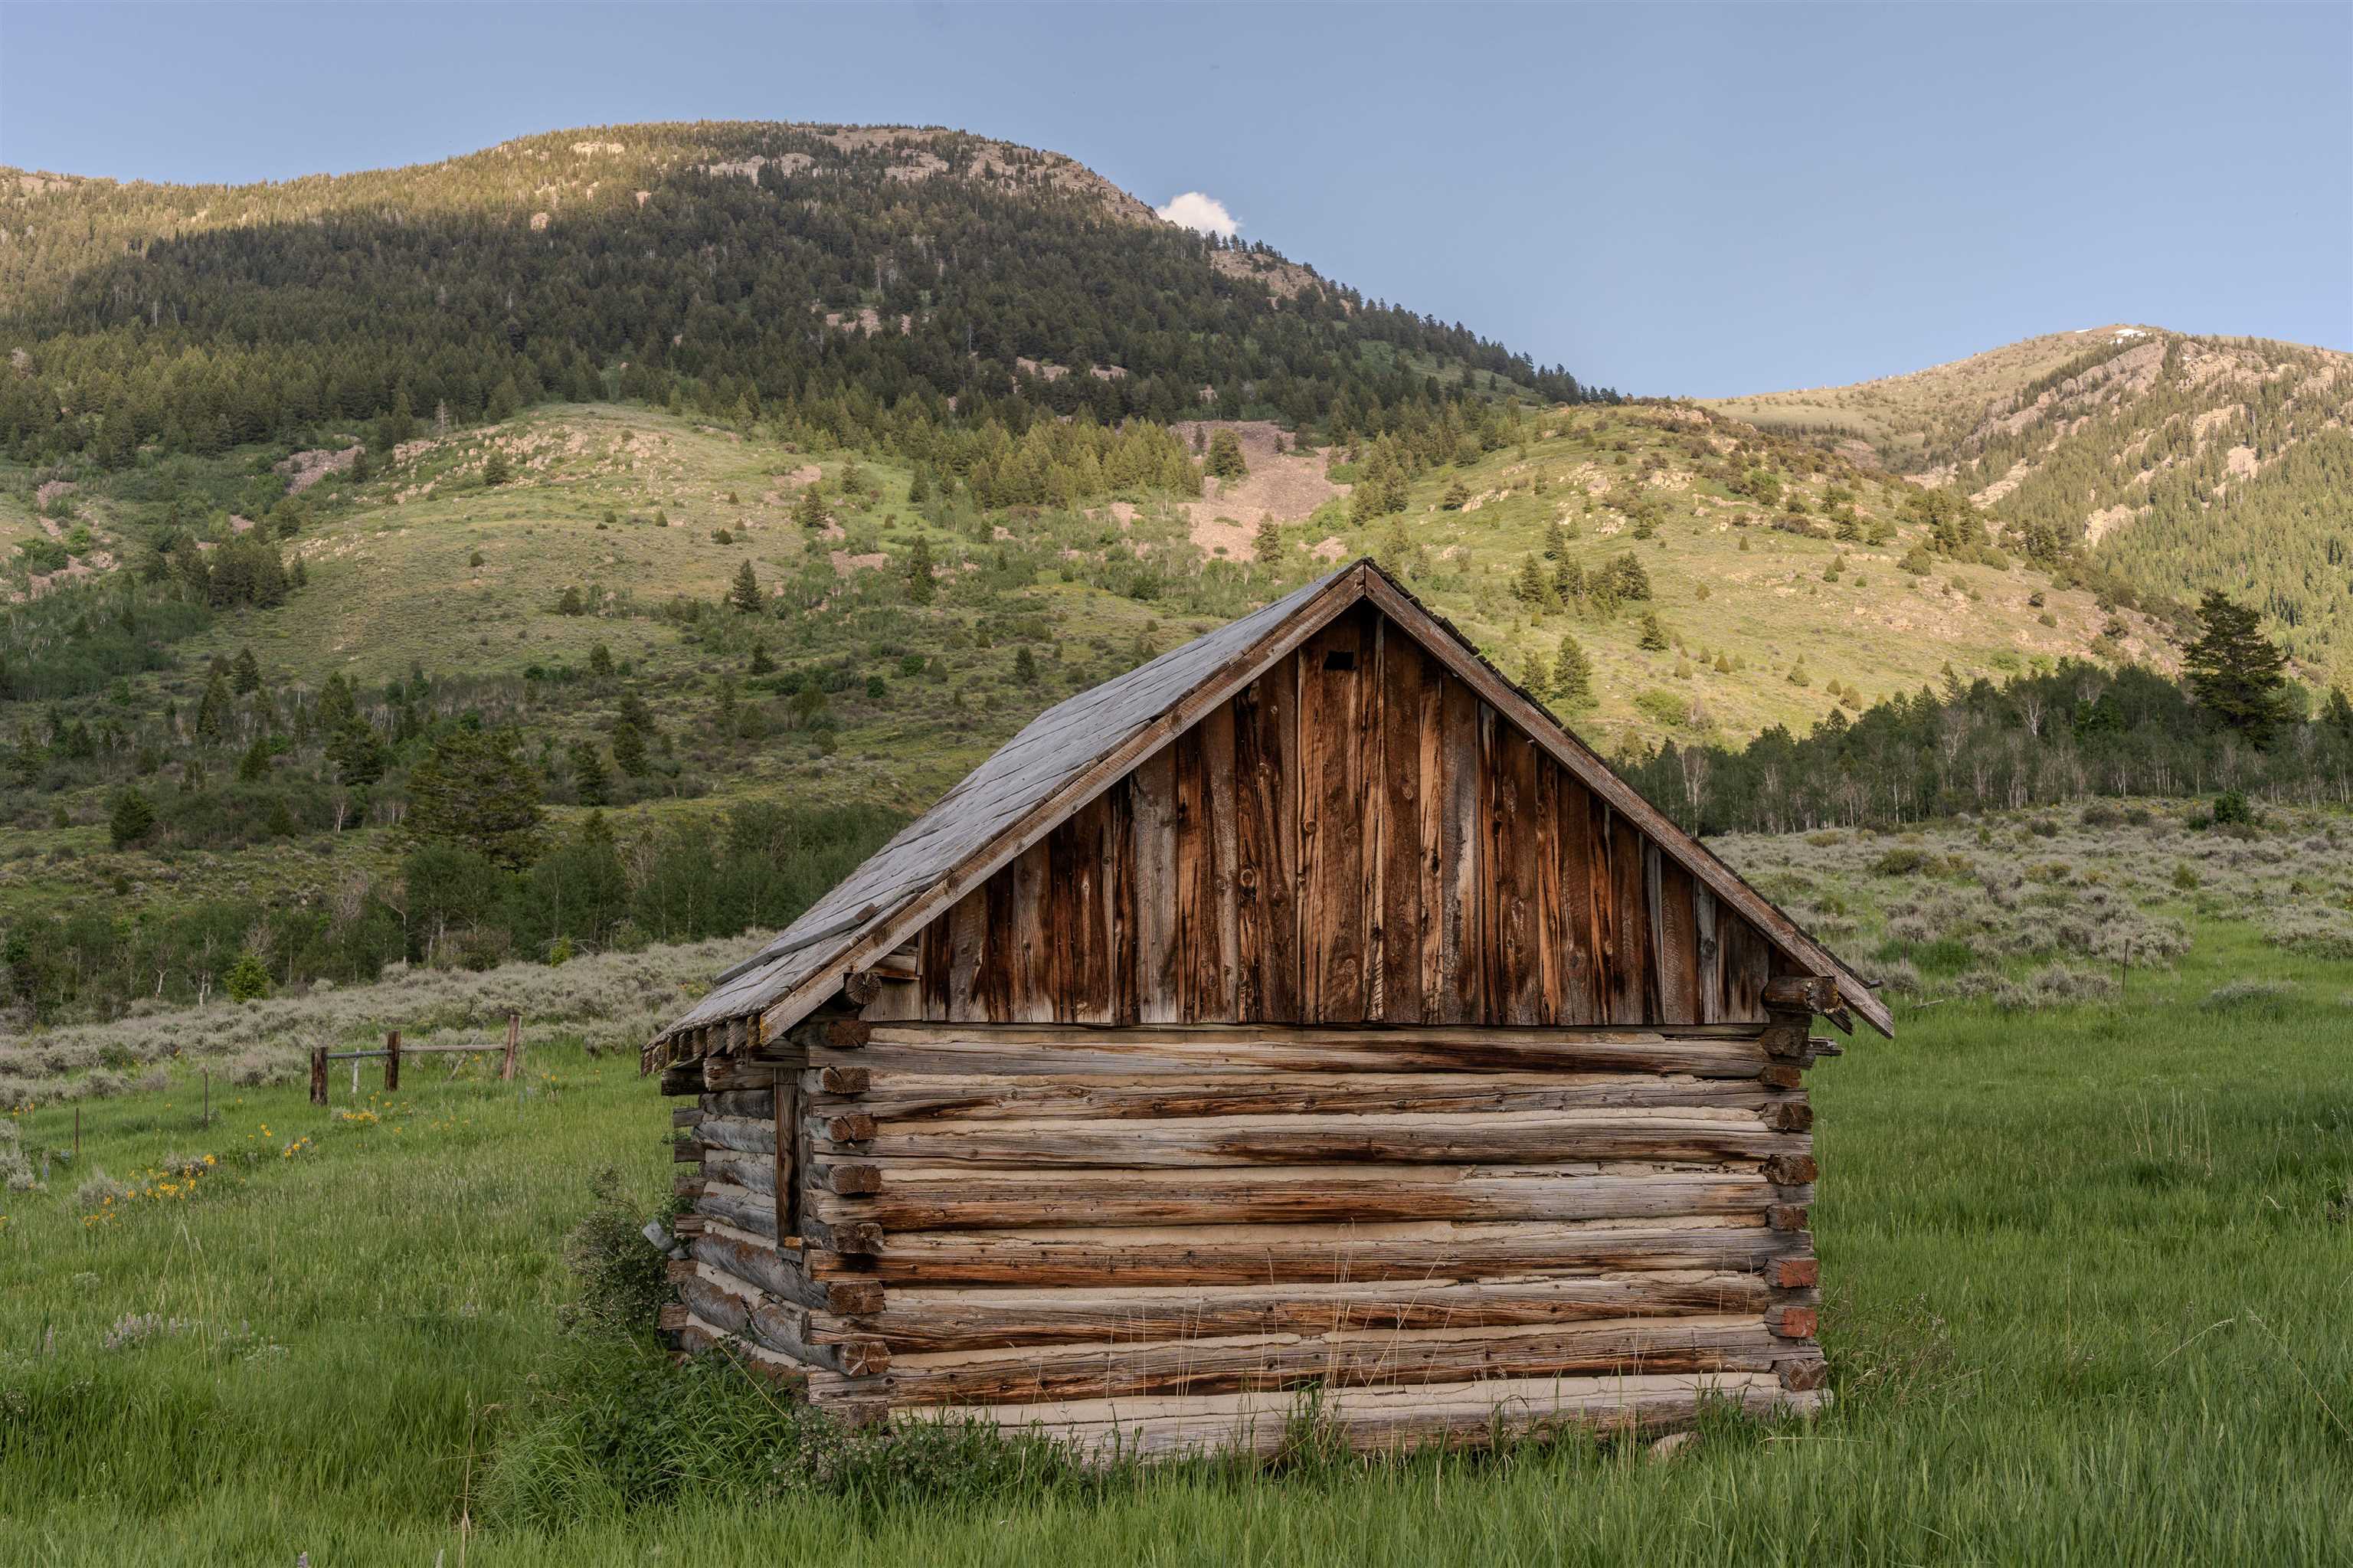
(1303, 1008)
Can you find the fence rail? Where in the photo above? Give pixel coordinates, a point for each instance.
(392, 1051)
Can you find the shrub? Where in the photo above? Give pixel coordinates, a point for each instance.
(17, 1174)
(97, 1191)
(2269, 998)
(1900, 862)
(621, 1276)
(247, 980)
(2316, 932)
(619, 1427)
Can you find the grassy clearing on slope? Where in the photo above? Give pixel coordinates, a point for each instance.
(2087, 1271)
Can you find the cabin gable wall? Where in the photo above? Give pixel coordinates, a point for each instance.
(1354, 838)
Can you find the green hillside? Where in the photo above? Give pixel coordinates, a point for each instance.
(2172, 464)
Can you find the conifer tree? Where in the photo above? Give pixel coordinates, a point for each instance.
(476, 792)
(921, 587)
(132, 820)
(212, 710)
(246, 673)
(1654, 635)
(589, 781)
(2235, 672)
(745, 595)
(630, 749)
(1266, 544)
(808, 509)
(357, 753)
(1573, 675)
(1537, 675)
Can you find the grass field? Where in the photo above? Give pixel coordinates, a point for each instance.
(2088, 1270)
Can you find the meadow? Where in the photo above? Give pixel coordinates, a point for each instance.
(2086, 1229)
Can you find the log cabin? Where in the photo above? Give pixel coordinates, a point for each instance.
(1306, 1008)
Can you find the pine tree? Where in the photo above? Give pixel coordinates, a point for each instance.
(254, 767)
(496, 469)
(212, 711)
(589, 781)
(1537, 675)
(1225, 460)
(2235, 672)
(246, 673)
(357, 753)
(921, 587)
(1266, 544)
(600, 662)
(745, 595)
(1529, 587)
(133, 820)
(808, 510)
(1654, 635)
(1555, 542)
(1573, 675)
(761, 663)
(475, 791)
(247, 980)
(1025, 666)
(630, 749)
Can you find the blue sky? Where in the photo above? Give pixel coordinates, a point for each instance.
(1671, 199)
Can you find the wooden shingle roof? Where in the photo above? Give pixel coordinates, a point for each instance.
(1075, 750)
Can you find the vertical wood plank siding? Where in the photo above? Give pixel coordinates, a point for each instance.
(1356, 838)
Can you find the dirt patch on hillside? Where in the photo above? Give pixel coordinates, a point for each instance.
(2106, 520)
(53, 489)
(2003, 486)
(1281, 486)
(304, 470)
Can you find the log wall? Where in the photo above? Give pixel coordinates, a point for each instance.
(1358, 837)
(1163, 1233)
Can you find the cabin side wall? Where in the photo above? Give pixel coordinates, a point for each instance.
(1163, 1233)
(1356, 838)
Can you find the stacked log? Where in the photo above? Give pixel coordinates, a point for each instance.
(1165, 1234)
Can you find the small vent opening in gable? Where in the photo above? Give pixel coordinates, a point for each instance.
(1340, 659)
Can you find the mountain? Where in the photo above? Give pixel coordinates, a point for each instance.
(721, 265)
(2168, 462)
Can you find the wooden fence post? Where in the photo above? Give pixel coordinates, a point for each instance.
(392, 1061)
(318, 1075)
(514, 1043)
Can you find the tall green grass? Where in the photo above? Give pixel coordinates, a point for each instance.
(2089, 1276)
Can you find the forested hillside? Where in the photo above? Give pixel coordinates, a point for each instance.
(731, 268)
(2175, 463)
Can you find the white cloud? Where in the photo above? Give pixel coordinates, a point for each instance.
(1206, 214)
